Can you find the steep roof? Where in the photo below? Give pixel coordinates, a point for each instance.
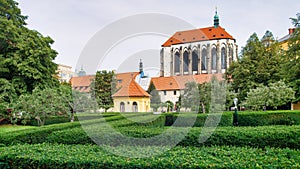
(82, 83)
(178, 82)
(195, 35)
(123, 79)
(131, 90)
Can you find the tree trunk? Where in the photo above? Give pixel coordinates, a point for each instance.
(203, 107)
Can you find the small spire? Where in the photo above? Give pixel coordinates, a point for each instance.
(216, 19)
(141, 66)
(141, 69)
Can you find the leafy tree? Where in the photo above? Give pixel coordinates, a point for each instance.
(259, 64)
(41, 104)
(103, 87)
(274, 95)
(291, 64)
(26, 57)
(296, 21)
(155, 98)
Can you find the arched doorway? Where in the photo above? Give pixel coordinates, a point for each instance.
(134, 107)
(122, 107)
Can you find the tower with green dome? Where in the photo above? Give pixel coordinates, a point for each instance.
(216, 19)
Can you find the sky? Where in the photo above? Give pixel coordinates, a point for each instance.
(73, 23)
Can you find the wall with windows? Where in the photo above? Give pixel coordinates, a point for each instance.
(169, 95)
(213, 56)
(131, 104)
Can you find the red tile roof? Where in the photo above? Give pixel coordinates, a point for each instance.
(82, 83)
(131, 90)
(178, 82)
(123, 79)
(195, 35)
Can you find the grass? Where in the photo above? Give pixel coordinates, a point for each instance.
(11, 128)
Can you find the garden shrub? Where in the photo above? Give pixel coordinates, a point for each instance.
(269, 118)
(58, 156)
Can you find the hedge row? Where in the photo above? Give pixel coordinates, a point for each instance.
(269, 118)
(56, 156)
(263, 136)
(224, 119)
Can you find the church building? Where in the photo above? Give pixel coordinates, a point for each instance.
(207, 50)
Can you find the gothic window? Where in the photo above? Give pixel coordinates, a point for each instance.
(223, 58)
(231, 55)
(177, 62)
(134, 107)
(122, 107)
(194, 61)
(203, 60)
(185, 61)
(214, 58)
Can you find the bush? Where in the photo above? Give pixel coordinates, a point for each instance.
(86, 156)
(51, 120)
(269, 118)
(201, 120)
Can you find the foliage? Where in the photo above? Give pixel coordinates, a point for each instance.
(201, 120)
(26, 56)
(155, 98)
(296, 21)
(269, 118)
(42, 104)
(103, 87)
(274, 95)
(258, 64)
(85, 156)
(291, 66)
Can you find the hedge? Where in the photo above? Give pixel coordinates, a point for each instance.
(201, 120)
(263, 136)
(269, 118)
(56, 156)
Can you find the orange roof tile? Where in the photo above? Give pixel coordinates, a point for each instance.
(178, 82)
(123, 79)
(195, 35)
(82, 83)
(131, 90)
(165, 83)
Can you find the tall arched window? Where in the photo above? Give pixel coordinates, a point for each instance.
(203, 59)
(134, 107)
(214, 58)
(185, 61)
(177, 62)
(122, 107)
(194, 61)
(223, 58)
(231, 54)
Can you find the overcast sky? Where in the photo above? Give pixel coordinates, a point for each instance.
(72, 23)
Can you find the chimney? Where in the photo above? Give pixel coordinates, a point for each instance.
(291, 30)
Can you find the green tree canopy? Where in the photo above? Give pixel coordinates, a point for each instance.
(26, 56)
(103, 87)
(258, 64)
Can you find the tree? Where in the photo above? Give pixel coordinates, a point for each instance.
(26, 56)
(274, 95)
(259, 64)
(103, 87)
(41, 104)
(155, 100)
(291, 64)
(296, 21)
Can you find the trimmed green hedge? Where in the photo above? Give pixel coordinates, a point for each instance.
(72, 133)
(56, 156)
(201, 120)
(269, 118)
